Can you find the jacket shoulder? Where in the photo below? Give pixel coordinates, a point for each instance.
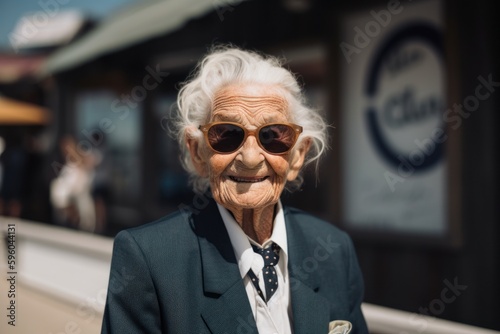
(312, 225)
(166, 228)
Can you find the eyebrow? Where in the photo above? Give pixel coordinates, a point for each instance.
(231, 117)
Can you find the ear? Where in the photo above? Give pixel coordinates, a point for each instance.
(298, 158)
(195, 148)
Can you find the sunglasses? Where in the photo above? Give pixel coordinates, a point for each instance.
(228, 137)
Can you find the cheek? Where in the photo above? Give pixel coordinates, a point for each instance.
(279, 164)
(218, 163)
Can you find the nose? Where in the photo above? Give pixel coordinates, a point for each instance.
(250, 154)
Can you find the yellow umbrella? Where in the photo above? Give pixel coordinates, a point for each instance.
(14, 112)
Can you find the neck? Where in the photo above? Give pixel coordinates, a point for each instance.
(256, 223)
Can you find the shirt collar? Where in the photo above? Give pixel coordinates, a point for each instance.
(241, 242)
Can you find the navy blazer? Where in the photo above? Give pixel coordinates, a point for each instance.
(180, 275)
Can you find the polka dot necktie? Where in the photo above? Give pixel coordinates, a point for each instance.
(270, 254)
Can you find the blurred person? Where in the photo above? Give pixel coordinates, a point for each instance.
(237, 260)
(70, 191)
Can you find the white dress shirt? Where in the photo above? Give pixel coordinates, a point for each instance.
(276, 315)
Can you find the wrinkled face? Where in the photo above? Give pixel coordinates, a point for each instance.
(249, 177)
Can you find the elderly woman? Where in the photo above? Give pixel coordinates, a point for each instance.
(237, 261)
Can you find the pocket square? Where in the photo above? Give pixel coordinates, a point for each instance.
(339, 327)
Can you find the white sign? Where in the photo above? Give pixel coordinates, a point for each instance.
(393, 95)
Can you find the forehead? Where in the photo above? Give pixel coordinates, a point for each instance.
(249, 101)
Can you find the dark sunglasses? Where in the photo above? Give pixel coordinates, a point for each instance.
(228, 137)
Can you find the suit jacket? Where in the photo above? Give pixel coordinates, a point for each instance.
(180, 275)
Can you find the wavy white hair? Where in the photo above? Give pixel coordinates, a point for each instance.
(229, 65)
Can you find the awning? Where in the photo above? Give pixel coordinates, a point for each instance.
(13, 112)
(142, 21)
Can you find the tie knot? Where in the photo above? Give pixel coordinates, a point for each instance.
(270, 254)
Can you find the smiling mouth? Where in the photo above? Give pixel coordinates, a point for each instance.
(248, 179)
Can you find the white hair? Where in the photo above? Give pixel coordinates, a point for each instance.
(226, 65)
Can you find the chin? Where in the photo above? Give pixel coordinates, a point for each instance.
(248, 199)
(255, 203)
(245, 195)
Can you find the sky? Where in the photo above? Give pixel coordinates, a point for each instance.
(12, 10)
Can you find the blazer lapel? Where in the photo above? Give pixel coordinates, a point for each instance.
(311, 311)
(226, 308)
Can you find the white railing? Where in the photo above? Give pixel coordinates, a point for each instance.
(73, 267)
(384, 320)
(69, 266)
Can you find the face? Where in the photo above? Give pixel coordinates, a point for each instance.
(248, 178)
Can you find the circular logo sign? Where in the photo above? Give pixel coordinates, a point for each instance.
(405, 96)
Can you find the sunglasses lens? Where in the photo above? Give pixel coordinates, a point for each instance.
(225, 137)
(277, 138)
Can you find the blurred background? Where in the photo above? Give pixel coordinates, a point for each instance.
(411, 89)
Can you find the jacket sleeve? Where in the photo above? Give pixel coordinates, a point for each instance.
(356, 292)
(131, 303)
